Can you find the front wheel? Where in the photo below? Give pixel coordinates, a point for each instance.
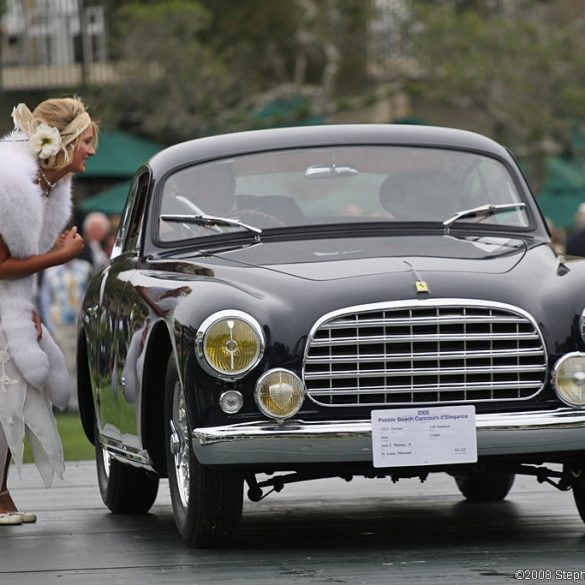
(207, 503)
(125, 489)
(485, 487)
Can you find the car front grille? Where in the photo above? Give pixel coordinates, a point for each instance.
(408, 352)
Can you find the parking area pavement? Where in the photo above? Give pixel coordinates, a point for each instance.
(369, 532)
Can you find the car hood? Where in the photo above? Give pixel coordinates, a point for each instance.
(289, 285)
(354, 258)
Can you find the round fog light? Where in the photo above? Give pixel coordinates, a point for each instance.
(279, 393)
(231, 401)
(569, 379)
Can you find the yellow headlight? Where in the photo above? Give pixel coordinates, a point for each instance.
(231, 343)
(569, 379)
(279, 394)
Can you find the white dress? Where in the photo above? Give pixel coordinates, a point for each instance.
(25, 410)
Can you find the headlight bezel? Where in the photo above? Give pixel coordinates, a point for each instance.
(555, 373)
(201, 338)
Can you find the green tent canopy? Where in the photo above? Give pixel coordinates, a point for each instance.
(119, 155)
(562, 192)
(286, 111)
(111, 201)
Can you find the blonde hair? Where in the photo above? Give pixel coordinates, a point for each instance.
(70, 117)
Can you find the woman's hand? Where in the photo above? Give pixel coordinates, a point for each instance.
(59, 241)
(38, 325)
(70, 243)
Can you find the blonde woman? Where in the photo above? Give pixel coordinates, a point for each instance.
(37, 161)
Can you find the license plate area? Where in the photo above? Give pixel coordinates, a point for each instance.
(409, 437)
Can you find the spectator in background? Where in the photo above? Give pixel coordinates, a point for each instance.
(96, 227)
(557, 236)
(59, 300)
(111, 237)
(576, 240)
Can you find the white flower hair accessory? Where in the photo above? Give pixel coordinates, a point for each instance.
(23, 119)
(46, 141)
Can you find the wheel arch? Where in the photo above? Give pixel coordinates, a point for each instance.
(153, 394)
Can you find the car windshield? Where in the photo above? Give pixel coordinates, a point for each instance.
(338, 184)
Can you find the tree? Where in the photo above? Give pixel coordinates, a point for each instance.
(169, 80)
(192, 67)
(298, 41)
(522, 68)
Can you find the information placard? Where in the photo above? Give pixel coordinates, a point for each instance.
(424, 436)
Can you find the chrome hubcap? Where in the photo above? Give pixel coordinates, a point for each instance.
(179, 444)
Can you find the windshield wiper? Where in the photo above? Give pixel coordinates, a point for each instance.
(211, 220)
(482, 211)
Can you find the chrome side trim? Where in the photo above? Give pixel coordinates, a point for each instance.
(297, 441)
(124, 453)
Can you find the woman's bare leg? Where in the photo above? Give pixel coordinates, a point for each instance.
(5, 473)
(6, 503)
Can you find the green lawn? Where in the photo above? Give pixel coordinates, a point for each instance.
(75, 444)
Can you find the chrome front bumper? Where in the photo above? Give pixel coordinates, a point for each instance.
(296, 441)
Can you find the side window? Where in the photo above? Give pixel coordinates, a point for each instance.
(131, 222)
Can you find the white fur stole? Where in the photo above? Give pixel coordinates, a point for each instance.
(29, 225)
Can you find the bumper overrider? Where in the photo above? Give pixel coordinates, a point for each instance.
(297, 441)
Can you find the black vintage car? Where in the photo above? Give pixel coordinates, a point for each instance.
(362, 300)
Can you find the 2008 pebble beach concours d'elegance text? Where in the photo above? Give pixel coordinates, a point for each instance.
(364, 300)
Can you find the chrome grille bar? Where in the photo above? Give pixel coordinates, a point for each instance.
(420, 372)
(424, 356)
(434, 388)
(363, 340)
(342, 324)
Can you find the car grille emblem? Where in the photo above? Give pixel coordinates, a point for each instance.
(422, 286)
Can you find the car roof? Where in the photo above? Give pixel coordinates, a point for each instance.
(226, 145)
